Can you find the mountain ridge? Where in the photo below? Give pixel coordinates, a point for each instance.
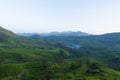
(65, 33)
(39, 59)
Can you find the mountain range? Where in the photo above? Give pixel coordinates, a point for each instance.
(105, 48)
(59, 56)
(67, 33)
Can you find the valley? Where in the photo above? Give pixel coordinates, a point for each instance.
(58, 57)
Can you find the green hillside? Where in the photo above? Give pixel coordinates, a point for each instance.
(104, 48)
(33, 59)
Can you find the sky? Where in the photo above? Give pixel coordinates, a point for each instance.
(41, 16)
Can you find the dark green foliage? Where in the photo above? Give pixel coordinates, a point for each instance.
(104, 48)
(39, 71)
(33, 59)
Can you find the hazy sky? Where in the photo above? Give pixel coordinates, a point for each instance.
(92, 16)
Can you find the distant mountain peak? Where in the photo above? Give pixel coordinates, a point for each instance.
(65, 33)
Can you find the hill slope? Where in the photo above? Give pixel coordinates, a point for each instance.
(105, 48)
(33, 59)
(10, 39)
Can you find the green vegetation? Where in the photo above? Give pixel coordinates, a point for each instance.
(64, 70)
(33, 59)
(103, 48)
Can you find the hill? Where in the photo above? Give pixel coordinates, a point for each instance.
(7, 32)
(105, 48)
(8, 39)
(24, 58)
